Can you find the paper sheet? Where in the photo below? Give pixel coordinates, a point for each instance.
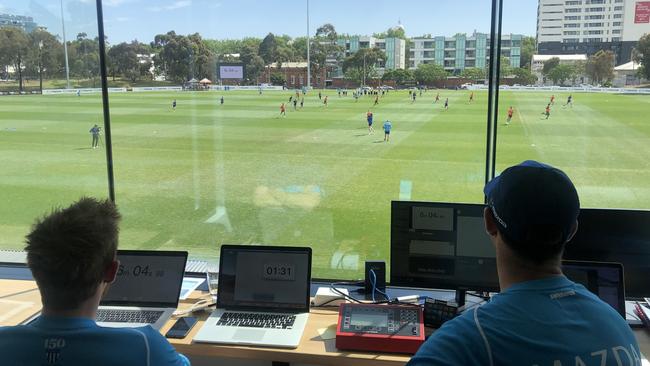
(189, 285)
(327, 333)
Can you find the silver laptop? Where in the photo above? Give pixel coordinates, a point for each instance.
(145, 291)
(262, 298)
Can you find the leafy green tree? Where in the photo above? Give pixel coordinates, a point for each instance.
(327, 31)
(84, 55)
(430, 73)
(175, 59)
(527, 51)
(642, 55)
(14, 48)
(505, 69)
(268, 49)
(600, 66)
(45, 56)
(561, 73)
(123, 59)
(523, 76)
(277, 78)
(399, 76)
(363, 60)
(473, 73)
(549, 65)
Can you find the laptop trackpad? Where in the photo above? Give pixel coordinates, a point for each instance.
(250, 335)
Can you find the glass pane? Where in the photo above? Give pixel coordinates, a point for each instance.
(207, 156)
(583, 72)
(46, 154)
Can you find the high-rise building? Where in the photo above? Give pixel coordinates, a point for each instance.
(587, 26)
(461, 51)
(25, 23)
(394, 48)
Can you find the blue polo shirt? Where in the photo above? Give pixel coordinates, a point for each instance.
(547, 322)
(387, 126)
(58, 341)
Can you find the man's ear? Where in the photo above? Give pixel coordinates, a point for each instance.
(490, 222)
(111, 271)
(574, 230)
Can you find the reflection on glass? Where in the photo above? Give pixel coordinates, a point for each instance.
(49, 103)
(581, 70)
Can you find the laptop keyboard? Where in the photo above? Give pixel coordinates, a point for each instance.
(128, 316)
(257, 320)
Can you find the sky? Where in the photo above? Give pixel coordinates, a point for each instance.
(125, 20)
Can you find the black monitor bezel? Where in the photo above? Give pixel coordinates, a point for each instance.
(433, 283)
(596, 264)
(307, 250)
(150, 253)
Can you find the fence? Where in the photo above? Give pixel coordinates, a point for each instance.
(560, 89)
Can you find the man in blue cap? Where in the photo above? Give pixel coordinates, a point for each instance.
(540, 317)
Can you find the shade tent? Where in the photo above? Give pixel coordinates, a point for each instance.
(205, 81)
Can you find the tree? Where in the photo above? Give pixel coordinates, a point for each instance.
(600, 66)
(45, 55)
(560, 74)
(550, 64)
(505, 69)
(527, 51)
(642, 55)
(399, 76)
(84, 55)
(268, 48)
(14, 46)
(473, 73)
(123, 60)
(277, 78)
(430, 73)
(363, 60)
(327, 31)
(523, 76)
(176, 57)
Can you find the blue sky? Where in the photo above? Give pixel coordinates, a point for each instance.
(143, 19)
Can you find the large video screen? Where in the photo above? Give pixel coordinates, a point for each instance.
(231, 71)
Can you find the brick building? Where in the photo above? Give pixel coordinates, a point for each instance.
(295, 73)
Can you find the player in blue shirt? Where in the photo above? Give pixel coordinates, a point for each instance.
(71, 254)
(95, 132)
(540, 317)
(387, 127)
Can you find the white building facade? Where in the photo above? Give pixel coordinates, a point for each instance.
(587, 26)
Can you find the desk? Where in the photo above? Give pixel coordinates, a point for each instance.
(312, 349)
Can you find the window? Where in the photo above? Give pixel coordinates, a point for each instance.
(572, 25)
(571, 33)
(593, 25)
(618, 8)
(49, 155)
(573, 10)
(203, 174)
(593, 17)
(616, 24)
(572, 2)
(593, 10)
(617, 16)
(572, 17)
(616, 31)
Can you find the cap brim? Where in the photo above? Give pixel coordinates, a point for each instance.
(491, 186)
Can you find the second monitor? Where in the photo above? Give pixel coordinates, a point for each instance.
(441, 245)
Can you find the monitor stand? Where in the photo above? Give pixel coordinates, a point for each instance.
(460, 297)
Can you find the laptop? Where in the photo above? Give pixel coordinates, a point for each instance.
(146, 289)
(262, 298)
(603, 279)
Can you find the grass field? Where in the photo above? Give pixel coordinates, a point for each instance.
(207, 174)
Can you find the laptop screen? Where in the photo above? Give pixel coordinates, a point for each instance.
(603, 279)
(264, 278)
(150, 278)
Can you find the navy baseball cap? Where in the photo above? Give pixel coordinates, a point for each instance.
(532, 194)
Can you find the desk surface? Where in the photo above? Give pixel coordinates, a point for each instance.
(23, 295)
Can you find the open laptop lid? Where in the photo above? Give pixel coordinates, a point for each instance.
(264, 278)
(147, 278)
(604, 279)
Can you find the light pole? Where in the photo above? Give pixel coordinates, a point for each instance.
(40, 64)
(364, 69)
(65, 48)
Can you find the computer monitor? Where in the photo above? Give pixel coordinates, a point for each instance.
(441, 245)
(614, 235)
